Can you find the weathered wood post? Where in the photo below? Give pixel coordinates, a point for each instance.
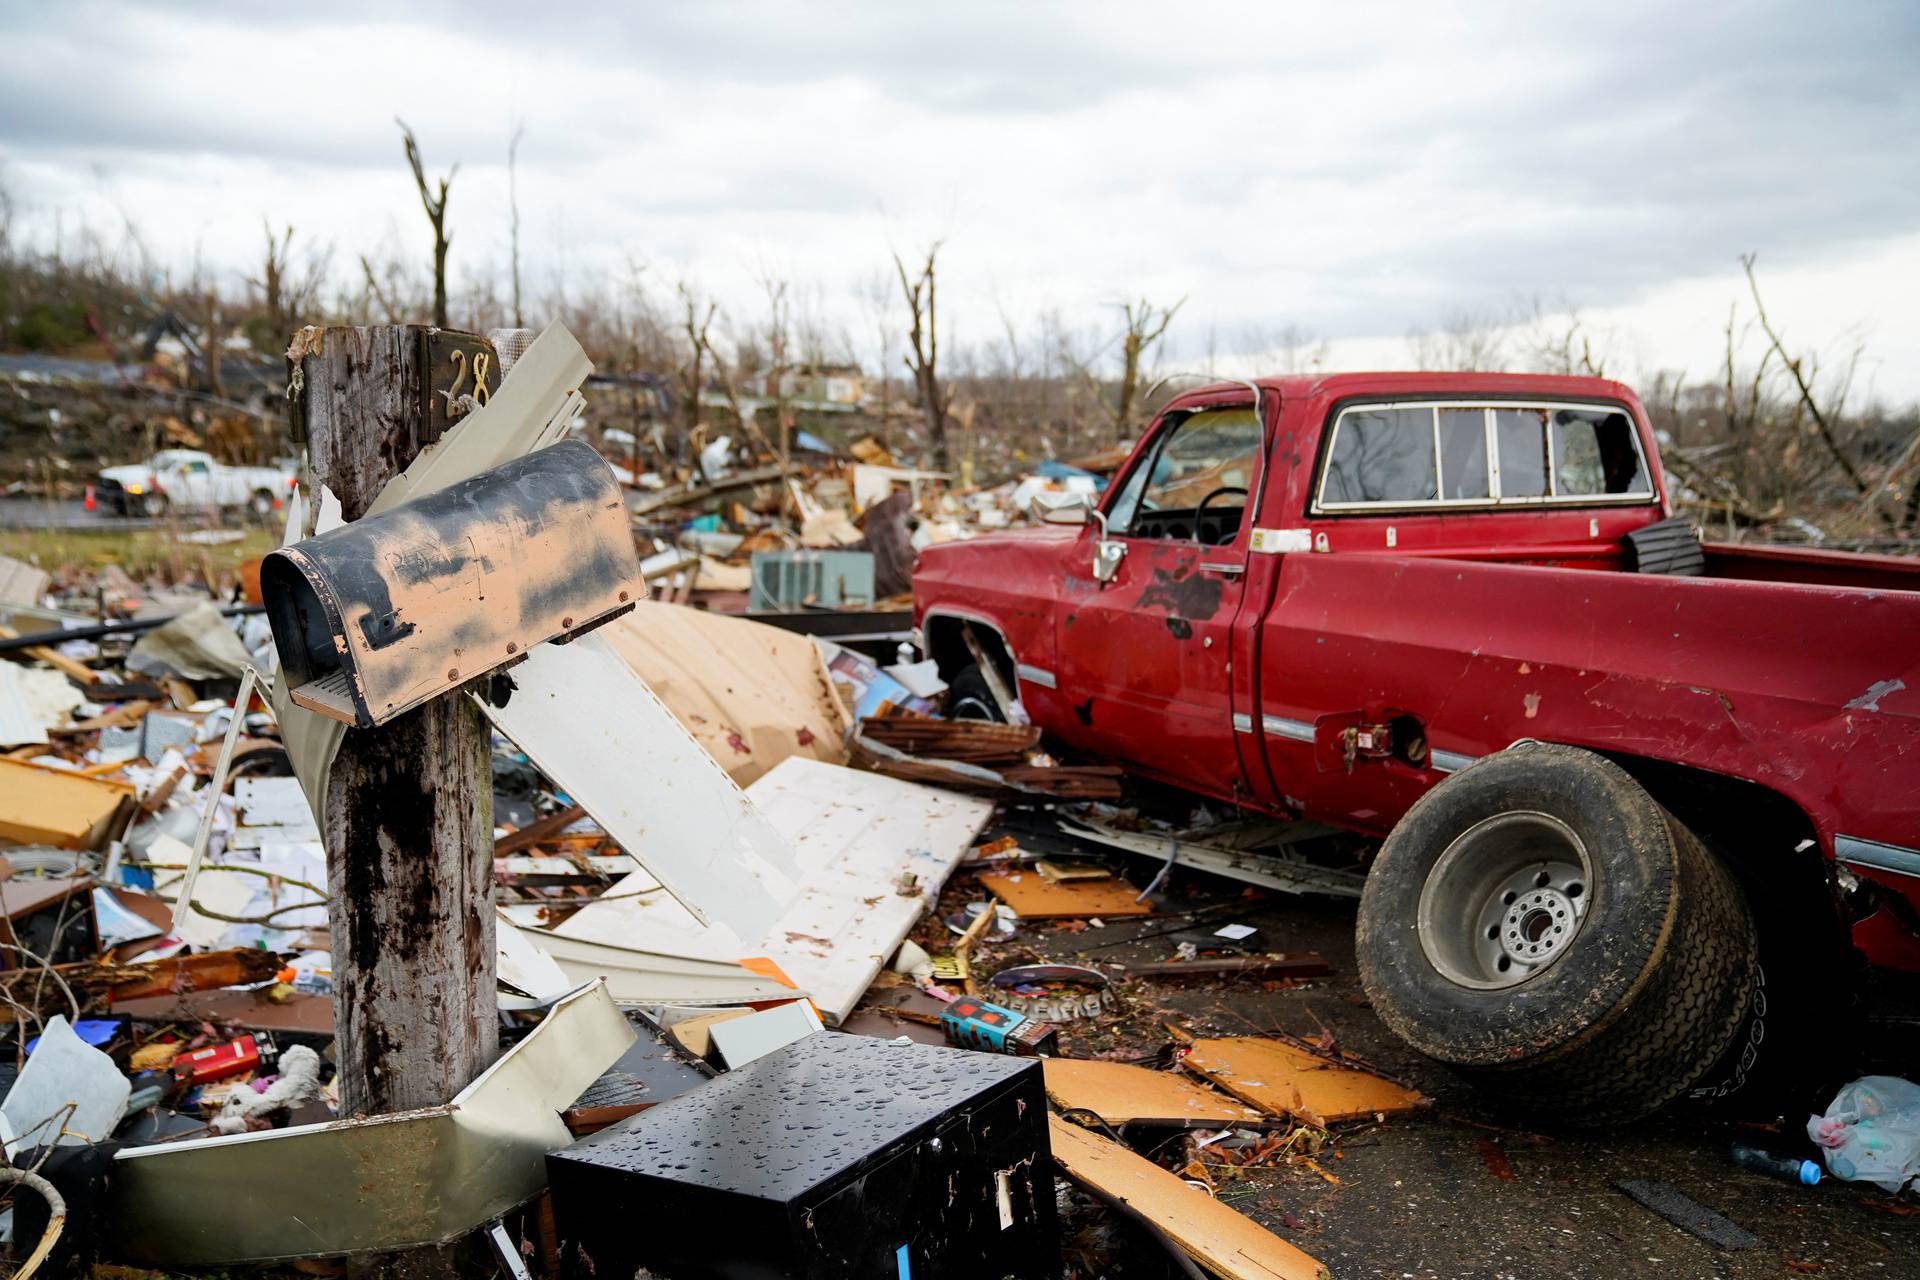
(409, 812)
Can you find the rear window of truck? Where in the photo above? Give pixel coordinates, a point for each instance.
(1458, 455)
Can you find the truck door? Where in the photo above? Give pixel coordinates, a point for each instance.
(192, 484)
(1146, 653)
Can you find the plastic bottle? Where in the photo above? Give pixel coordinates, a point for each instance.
(1786, 1168)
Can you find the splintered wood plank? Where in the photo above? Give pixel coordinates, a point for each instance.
(1121, 1093)
(1284, 1081)
(1221, 1239)
(1033, 897)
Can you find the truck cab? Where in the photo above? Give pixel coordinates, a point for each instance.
(1152, 662)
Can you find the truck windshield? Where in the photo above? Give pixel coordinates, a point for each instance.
(1194, 480)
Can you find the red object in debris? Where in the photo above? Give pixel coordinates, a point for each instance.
(221, 1061)
(1328, 612)
(89, 497)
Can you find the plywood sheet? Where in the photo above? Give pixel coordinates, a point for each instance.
(751, 694)
(1121, 1093)
(1222, 1240)
(872, 852)
(1282, 1080)
(57, 807)
(1033, 897)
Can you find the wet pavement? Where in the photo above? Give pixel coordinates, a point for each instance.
(1459, 1191)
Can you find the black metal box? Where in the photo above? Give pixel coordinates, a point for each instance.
(837, 1156)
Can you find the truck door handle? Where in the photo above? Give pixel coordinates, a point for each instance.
(1228, 569)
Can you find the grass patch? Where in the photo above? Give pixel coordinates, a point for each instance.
(140, 552)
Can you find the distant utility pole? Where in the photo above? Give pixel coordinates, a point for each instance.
(409, 807)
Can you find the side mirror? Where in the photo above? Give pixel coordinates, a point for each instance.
(1071, 508)
(1107, 554)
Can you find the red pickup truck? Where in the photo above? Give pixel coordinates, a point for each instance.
(1633, 789)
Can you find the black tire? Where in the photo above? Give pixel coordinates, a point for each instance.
(1639, 1000)
(154, 505)
(968, 697)
(260, 506)
(1809, 988)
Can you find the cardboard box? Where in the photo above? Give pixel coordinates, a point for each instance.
(56, 807)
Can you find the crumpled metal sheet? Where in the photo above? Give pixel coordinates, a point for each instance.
(197, 645)
(374, 1184)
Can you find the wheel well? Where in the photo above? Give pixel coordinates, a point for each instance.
(1761, 835)
(946, 646)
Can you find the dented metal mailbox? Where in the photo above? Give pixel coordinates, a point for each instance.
(376, 617)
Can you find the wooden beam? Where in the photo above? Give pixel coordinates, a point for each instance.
(409, 813)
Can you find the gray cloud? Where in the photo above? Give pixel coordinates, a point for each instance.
(1356, 172)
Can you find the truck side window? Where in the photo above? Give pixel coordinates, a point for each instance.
(1593, 454)
(1447, 454)
(1197, 482)
(1522, 434)
(1382, 455)
(1120, 514)
(1463, 453)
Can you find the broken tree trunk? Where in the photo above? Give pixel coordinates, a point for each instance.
(409, 813)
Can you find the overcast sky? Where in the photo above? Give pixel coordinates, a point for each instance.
(1356, 170)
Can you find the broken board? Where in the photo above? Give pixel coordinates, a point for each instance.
(1123, 1094)
(1033, 897)
(1223, 1240)
(59, 807)
(872, 851)
(1284, 1081)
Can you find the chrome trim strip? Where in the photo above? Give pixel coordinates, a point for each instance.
(1881, 857)
(1280, 726)
(1450, 761)
(1242, 722)
(1035, 675)
(1221, 568)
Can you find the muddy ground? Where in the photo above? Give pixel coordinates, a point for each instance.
(1419, 1196)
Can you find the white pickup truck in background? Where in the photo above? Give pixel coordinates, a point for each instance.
(189, 480)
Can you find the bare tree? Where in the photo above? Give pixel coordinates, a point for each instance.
(376, 293)
(1288, 349)
(696, 325)
(923, 358)
(216, 343)
(436, 207)
(513, 208)
(876, 292)
(729, 375)
(1560, 342)
(288, 290)
(780, 356)
(1466, 341)
(1146, 325)
(1804, 370)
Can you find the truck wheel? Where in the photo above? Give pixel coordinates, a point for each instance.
(968, 697)
(1538, 922)
(153, 506)
(260, 505)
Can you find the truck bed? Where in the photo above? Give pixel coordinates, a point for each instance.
(1765, 672)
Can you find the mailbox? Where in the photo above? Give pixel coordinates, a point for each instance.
(376, 617)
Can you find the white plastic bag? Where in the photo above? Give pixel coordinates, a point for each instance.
(1871, 1132)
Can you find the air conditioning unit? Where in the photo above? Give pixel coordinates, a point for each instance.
(788, 581)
